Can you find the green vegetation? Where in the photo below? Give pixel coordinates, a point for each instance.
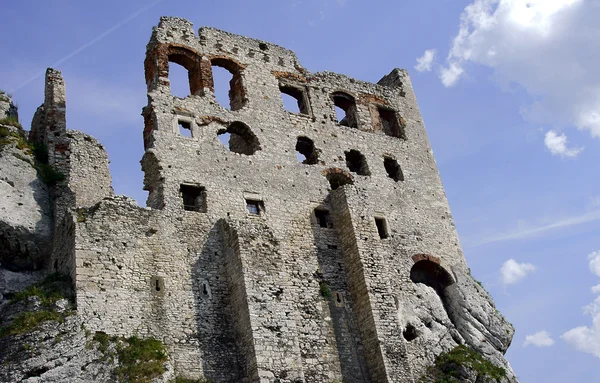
(29, 321)
(49, 291)
(12, 121)
(324, 289)
(140, 360)
(449, 367)
(49, 175)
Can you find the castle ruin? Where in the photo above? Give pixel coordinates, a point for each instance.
(250, 265)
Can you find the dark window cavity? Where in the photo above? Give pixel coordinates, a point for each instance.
(345, 109)
(393, 169)
(338, 179)
(241, 139)
(306, 151)
(323, 218)
(382, 228)
(390, 123)
(193, 197)
(357, 163)
(294, 98)
(227, 83)
(410, 333)
(255, 207)
(185, 128)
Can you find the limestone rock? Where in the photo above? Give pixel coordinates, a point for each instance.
(25, 207)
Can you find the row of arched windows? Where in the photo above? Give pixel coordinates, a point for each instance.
(187, 76)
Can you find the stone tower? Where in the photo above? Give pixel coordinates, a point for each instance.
(252, 266)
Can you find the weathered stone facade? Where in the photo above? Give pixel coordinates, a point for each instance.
(250, 265)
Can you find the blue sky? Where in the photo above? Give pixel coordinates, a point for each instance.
(509, 91)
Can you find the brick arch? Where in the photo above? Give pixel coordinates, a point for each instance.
(237, 91)
(157, 61)
(338, 177)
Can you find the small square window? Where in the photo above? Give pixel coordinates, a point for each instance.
(382, 228)
(254, 207)
(193, 197)
(185, 128)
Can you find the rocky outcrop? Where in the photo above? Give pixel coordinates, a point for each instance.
(463, 313)
(25, 203)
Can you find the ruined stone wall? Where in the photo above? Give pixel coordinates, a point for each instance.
(247, 263)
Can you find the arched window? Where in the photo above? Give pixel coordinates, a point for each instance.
(345, 106)
(337, 177)
(184, 73)
(433, 275)
(241, 139)
(227, 83)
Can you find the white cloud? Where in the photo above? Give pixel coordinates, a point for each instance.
(425, 62)
(513, 272)
(557, 144)
(539, 339)
(542, 45)
(583, 338)
(595, 262)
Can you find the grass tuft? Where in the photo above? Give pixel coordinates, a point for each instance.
(28, 321)
(449, 367)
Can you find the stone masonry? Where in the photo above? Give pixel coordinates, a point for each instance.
(250, 265)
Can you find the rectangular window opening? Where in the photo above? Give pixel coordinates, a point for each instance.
(323, 218)
(185, 128)
(254, 207)
(294, 99)
(193, 197)
(382, 229)
(390, 123)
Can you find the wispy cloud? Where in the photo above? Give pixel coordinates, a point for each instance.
(89, 43)
(539, 339)
(534, 231)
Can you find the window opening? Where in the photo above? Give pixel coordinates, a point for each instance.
(227, 83)
(410, 333)
(382, 229)
(389, 122)
(357, 163)
(323, 218)
(179, 80)
(204, 289)
(306, 152)
(222, 79)
(238, 138)
(338, 178)
(254, 207)
(345, 109)
(185, 128)
(193, 197)
(294, 99)
(158, 285)
(393, 169)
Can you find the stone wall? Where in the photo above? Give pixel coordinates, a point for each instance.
(252, 266)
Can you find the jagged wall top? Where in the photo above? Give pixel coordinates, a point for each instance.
(179, 31)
